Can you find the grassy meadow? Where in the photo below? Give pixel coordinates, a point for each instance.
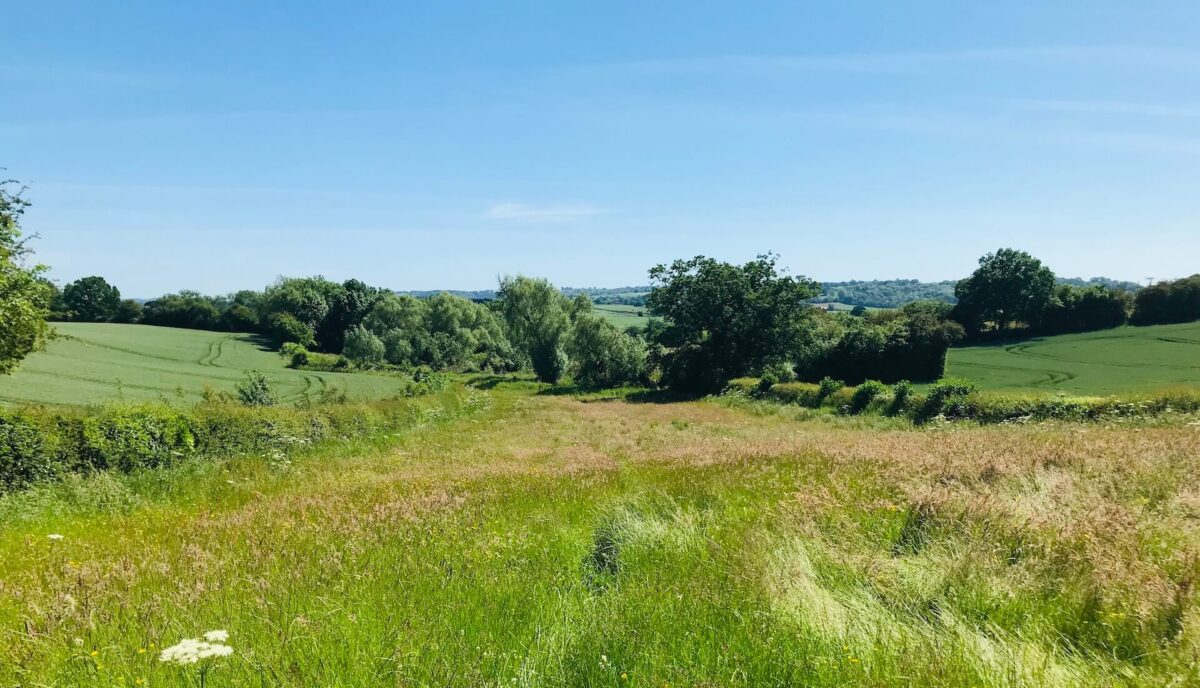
(623, 316)
(626, 544)
(1098, 363)
(100, 362)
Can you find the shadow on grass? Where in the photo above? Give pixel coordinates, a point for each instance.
(633, 395)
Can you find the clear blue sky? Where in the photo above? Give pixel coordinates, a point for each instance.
(217, 145)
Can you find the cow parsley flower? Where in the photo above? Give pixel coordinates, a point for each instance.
(55, 536)
(190, 650)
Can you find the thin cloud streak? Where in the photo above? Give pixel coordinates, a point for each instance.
(546, 213)
(888, 62)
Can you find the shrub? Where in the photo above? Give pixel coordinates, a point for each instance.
(947, 397)
(864, 394)
(901, 393)
(37, 445)
(801, 393)
(256, 390)
(296, 355)
(827, 387)
(363, 348)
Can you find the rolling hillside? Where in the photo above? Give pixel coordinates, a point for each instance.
(98, 362)
(1101, 363)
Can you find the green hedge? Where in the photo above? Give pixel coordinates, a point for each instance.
(39, 444)
(958, 400)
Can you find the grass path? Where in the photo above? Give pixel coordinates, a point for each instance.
(543, 540)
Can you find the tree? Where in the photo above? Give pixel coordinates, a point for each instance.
(602, 355)
(1008, 286)
(362, 347)
(91, 299)
(536, 315)
(724, 321)
(1168, 302)
(128, 312)
(285, 327)
(187, 309)
(24, 296)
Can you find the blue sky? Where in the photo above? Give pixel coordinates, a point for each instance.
(215, 145)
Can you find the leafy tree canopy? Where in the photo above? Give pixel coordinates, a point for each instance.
(724, 321)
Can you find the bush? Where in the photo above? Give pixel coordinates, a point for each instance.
(827, 387)
(363, 348)
(296, 355)
(947, 397)
(602, 355)
(256, 390)
(864, 394)
(37, 444)
(901, 393)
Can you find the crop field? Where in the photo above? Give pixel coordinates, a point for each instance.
(625, 544)
(623, 316)
(100, 362)
(1099, 363)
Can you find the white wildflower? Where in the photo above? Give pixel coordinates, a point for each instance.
(190, 650)
(55, 536)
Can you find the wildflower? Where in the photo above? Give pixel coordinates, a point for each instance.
(218, 636)
(191, 651)
(141, 650)
(55, 537)
(624, 676)
(94, 653)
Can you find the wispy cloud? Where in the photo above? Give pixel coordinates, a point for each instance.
(900, 61)
(542, 213)
(1100, 107)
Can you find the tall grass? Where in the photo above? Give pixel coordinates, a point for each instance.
(545, 541)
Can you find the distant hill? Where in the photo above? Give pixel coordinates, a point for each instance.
(869, 293)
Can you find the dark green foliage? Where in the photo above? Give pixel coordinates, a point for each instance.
(445, 332)
(91, 299)
(43, 444)
(363, 348)
(1009, 286)
(724, 321)
(239, 318)
(295, 355)
(901, 393)
(602, 355)
(536, 315)
(187, 309)
(285, 328)
(826, 387)
(1084, 309)
(910, 343)
(25, 297)
(1168, 302)
(128, 312)
(256, 390)
(946, 397)
(864, 394)
(885, 293)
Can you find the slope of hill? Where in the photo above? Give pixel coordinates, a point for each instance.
(1101, 363)
(100, 362)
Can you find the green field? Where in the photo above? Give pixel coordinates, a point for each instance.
(98, 362)
(527, 540)
(1101, 363)
(623, 316)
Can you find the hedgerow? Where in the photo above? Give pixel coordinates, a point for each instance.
(39, 444)
(959, 400)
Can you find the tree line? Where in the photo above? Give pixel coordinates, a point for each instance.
(711, 321)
